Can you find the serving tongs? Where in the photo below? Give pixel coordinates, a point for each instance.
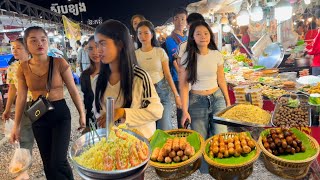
(93, 130)
(109, 121)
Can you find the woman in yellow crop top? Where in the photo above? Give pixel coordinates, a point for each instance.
(52, 130)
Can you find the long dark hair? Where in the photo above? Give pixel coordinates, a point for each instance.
(192, 50)
(90, 70)
(118, 32)
(154, 41)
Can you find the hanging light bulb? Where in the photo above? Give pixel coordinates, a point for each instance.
(243, 18)
(226, 28)
(215, 28)
(283, 10)
(256, 13)
(50, 34)
(224, 20)
(307, 1)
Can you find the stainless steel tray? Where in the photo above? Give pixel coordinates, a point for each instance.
(135, 176)
(302, 97)
(85, 141)
(232, 122)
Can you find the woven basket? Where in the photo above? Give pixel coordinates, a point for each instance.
(288, 168)
(232, 171)
(182, 169)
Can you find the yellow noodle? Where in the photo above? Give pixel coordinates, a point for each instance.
(93, 157)
(248, 113)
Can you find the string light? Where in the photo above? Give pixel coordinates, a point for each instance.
(243, 18)
(307, 1)
(256, 13)
(224, 20)
(226, 28)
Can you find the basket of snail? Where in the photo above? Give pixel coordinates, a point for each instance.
(231, 155)
(288, 152)
(176, 153)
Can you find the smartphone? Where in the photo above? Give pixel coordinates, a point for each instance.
(186, 124)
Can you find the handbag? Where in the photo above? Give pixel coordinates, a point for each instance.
(42, 105)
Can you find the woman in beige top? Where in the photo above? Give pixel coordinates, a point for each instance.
(52, 130)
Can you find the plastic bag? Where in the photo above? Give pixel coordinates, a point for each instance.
(8, 127)
(21, 160)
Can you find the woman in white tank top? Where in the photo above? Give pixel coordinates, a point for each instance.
(155, 61)
(202, 67)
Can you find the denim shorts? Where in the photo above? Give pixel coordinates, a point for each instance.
(202, 109)
(163, 90)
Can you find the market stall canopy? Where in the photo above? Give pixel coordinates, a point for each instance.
(215, 6)
(22, 21)
(22, 14)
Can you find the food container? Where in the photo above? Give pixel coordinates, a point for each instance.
(288, 76)
(270, 72)
(240, 97)
(181, 169)
(314, 99)
(230, 171)
(231, 122)
(240, 89)
(289, 169)
(303, 102)
(302, 62)
(86, 140)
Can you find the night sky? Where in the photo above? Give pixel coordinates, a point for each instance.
(157, 11)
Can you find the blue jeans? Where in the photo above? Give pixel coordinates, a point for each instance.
(162, 88)
(179, 111)
(202, 109)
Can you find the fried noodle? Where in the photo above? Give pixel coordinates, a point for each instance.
(113, 154)
(247, 113)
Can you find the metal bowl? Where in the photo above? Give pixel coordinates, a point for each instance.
(85, 141)
(272, 56)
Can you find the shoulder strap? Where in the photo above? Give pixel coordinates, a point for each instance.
(49, 80)
(176, 38)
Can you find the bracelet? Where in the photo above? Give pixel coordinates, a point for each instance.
(177, 95)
